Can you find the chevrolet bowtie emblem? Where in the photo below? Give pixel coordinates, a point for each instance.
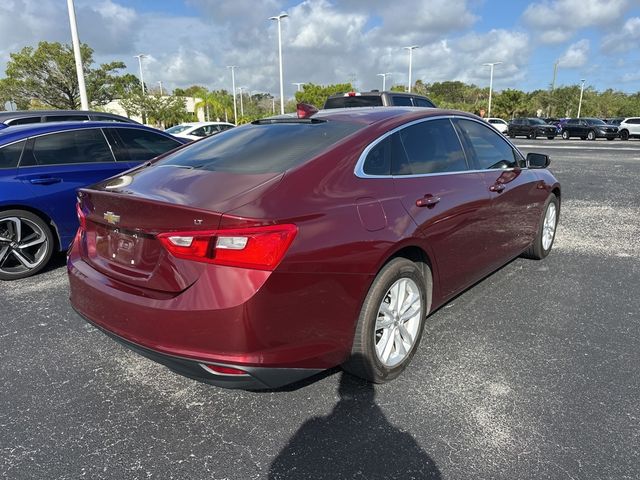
(111, 217)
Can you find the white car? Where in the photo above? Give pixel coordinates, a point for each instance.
(500, 124)
(197, 130)
(629, 127)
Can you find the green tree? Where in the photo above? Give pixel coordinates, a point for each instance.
(509, 103)
(316, 95)
(47, 74)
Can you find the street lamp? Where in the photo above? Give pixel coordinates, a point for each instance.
(581, 92)
(279, 18)
(411, 49)
(490, 84)
(233, 89)
(299, 84)
(241, 103)
(160, 83)
(384, 79)
(84, 102)
(140, 56)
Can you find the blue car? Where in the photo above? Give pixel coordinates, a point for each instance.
(42, 165)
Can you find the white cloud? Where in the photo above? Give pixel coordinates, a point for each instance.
(576, 55)
(625, 39)
(558, 20)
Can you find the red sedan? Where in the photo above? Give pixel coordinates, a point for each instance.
(275, 250)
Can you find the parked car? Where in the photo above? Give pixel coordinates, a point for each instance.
(499, 124)
(198, 130)
(588, 129)
(376, 98)
(23, 117)
(629, 128)
(42, 165)
(531, 128)
(614, 121)
(287, 246)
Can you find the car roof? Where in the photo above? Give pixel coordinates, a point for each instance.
(18, 132)
(378, 93)
(202, 124)
(4, 116)
(371, 115)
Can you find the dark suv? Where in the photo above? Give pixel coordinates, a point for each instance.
(23, 117)
(531, 128)
(376, 98)
(588, 129)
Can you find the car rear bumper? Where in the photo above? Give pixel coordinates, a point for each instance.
(289, 325)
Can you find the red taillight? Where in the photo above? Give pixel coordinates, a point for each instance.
(351, 94)
(260, 248)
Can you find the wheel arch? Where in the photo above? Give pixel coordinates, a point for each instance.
(45, 218)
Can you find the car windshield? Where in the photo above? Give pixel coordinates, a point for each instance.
(262, 148)
(595, 121)
(178, 129)
(538, 121)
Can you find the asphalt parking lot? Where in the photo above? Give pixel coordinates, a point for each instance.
(531, 373)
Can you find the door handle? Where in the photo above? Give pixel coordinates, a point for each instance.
(45, 180)
(497, 187)
(427, 201)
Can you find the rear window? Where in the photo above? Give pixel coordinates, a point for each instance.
(10, 155)
(262, 148)
(358, 101)
(401, 101)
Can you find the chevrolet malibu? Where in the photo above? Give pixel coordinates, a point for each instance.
(275, 250)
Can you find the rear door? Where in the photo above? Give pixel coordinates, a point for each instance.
(516, 200)
(449, 203)
(54, 165)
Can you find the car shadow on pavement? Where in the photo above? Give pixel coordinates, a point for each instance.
(354, 441)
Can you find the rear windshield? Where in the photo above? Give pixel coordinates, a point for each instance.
(359, 101)
(178, 129)
(261, 148)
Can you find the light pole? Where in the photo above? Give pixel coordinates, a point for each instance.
(581, 92)
(279, 18)
(411, 49)
(298, 84)
(233, 89)
(273, 105)
(384, 79)
(140, 56)
(490, 84)
(241, 103)
(84, 102)
(160, 83)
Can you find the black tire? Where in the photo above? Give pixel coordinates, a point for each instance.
(591, 135)
(565, 135)
(511, 135)
(536, 250)
(609, 138)
(551, 138)
(40, 254)
(624, 135)
(364, 361)
(534, 135)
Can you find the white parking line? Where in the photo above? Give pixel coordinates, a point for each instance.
(570, 147)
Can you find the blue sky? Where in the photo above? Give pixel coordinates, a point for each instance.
(192, 41)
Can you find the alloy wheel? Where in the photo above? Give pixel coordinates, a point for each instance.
(397, 322)
(23, 245)
(549, 226)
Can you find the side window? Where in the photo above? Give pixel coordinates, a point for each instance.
(421, 102)
(378, 161)
(401, 101)
(105, 118)
(10, 155)
(77, 146)
(488, 147)
(430, 147)
(65, 118)
(143, 145)
(199, 132)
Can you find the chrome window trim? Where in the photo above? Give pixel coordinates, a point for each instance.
(359, 168)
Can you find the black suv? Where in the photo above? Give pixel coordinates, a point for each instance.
(531, 128)
(588, 129)
(22, 117)
(376, 98)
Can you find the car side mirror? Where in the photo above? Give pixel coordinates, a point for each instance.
(537, 160)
